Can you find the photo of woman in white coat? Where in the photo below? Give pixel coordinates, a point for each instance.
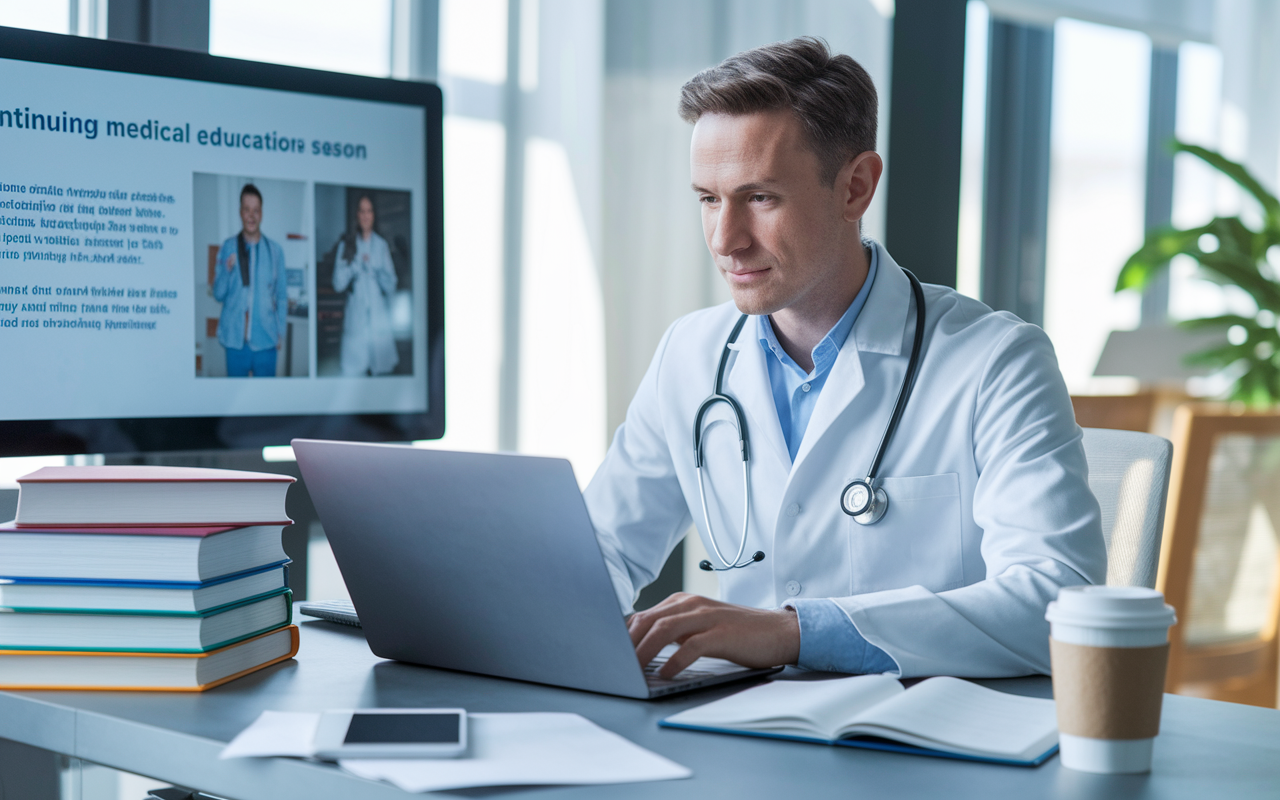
(364, 266)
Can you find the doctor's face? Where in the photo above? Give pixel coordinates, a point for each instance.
(780, 236)
(250, 214)
(364, 216)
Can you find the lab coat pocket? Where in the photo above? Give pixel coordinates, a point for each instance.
(916, 543)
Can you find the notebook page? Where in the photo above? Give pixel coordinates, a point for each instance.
(959, 715)
(804, 708)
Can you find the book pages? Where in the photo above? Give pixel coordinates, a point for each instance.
(953, 714)
(815, 709)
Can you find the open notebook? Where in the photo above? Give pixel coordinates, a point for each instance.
(945, 717)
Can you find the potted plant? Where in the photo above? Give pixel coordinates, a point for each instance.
(1229, 252)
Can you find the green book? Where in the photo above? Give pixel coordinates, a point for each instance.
(145, 632)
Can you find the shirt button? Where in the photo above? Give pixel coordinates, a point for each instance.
(793, 509)
(804, 387)
(793, 588)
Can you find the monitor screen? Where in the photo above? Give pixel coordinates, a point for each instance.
(198, 252)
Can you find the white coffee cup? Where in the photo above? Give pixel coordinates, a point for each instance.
(1110, 648)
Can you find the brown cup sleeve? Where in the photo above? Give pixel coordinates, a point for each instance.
(1108, 692)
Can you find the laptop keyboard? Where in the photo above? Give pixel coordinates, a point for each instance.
(340, 611)
(701, 669)
(704, 669)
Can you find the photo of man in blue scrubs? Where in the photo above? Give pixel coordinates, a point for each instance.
(252, 287)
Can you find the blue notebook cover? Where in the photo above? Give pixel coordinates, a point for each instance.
(868, 743)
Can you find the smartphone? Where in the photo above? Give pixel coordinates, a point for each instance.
(392, 733)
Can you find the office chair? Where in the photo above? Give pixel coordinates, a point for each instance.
(1129, 474)
(1220, 567)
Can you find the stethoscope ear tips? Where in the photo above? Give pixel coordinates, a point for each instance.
(706, 566)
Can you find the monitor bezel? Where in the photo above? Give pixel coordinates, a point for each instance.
(159, 434)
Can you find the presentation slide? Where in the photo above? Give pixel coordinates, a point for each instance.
(174, 248)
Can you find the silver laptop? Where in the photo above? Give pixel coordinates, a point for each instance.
(481, 562)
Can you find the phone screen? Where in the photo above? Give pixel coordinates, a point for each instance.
(403, 728)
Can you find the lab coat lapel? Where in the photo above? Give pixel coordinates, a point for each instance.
(879, 329)
(748, 381)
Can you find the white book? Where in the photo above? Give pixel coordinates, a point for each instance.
(149, 495)
(939, 716)
(177, 555)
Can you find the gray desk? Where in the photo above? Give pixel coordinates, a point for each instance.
(1207, 749)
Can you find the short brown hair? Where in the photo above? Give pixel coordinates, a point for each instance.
(831, 95)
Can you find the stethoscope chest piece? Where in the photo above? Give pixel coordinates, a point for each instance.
(865, 503)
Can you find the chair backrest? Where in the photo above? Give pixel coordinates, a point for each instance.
(1129, 474)
(1220, 567)
(1125, 412)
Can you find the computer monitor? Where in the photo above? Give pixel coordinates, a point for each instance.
(203, 253)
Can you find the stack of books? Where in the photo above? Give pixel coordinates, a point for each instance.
(144, 579)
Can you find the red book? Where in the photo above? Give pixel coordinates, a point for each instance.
(150, 496)
(123, 530)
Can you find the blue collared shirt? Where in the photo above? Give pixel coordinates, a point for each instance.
(264, 303)
(829, 641)
(795, 393)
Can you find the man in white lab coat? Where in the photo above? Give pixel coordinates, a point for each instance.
(989, 510)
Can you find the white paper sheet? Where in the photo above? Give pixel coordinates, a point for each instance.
(276, 733)
(525, 749)
(504, 750)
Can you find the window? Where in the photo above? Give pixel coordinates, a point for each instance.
(1201, 192)
(53, 17)
(322, 34)
(1097, 189)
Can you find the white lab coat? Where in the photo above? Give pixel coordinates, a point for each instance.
(368, 344)
(989, 513)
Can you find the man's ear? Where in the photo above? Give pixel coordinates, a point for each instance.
(857, 182)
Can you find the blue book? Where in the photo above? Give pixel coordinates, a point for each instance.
(146, 597)
(943, 717)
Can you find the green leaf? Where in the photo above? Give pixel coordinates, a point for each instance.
(1238, 173)
(1160, 246)
(1224, 321)
(1238, 260)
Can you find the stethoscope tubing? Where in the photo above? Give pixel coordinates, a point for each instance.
(718, 396)
(908, 383)
(746, 513)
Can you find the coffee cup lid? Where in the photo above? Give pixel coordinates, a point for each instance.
(1123, 607)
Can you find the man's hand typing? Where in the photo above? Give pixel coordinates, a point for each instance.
(751, 637)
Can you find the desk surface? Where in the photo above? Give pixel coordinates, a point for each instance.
(1206, 749)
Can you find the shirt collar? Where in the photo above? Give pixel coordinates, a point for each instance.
(824, 352)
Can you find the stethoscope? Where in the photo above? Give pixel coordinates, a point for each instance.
(861, 499)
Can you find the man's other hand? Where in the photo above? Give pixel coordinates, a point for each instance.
(752, 637)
